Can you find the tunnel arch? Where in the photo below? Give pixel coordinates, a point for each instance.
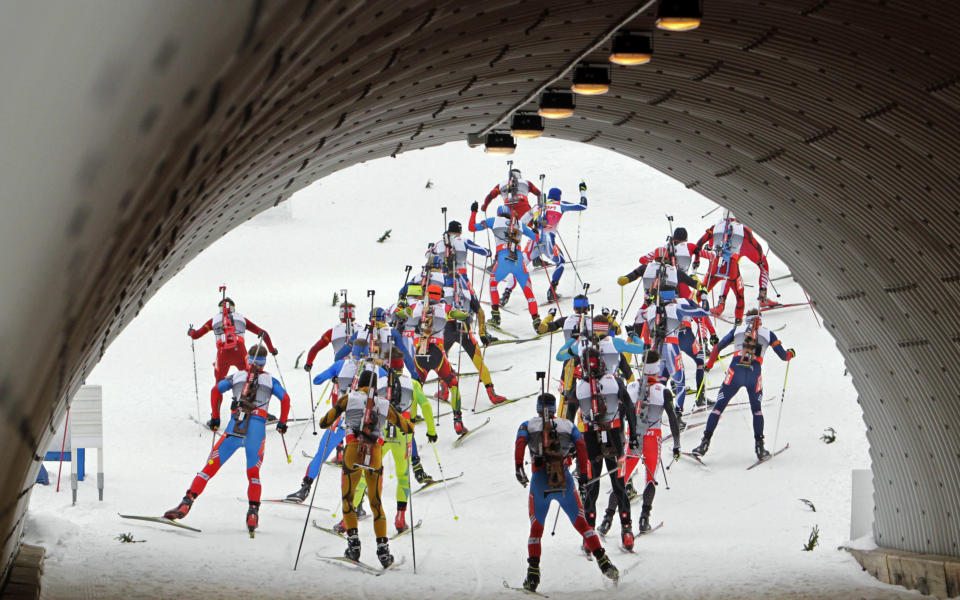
(829, 126)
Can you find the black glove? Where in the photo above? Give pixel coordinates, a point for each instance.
(282, 427)
(486, 339)
(552, 311)
(583, 186)
(676, 453)
(634, 444)
(696, 264)
(274, 351)
(582, 482)
(432, 438)
(213, 424)
(714, 340)
(522, 476)
(474, 207)
(307, 367)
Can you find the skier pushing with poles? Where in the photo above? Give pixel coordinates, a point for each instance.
(252, 389)
(740, 243)
(751, 341)
(338, 336)
(514, 192)
(551, 442)
(507, 230)
(365, 415)
(229, 327)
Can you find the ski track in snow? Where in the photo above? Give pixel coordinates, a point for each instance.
(728, 533)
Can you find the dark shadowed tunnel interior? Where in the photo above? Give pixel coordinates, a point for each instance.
(135, 135)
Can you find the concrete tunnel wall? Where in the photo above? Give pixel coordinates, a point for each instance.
(137, 134)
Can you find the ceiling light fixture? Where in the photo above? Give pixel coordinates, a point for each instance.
(500, 143)
(679, 15)
(591, 80)
(526, 125)
(631, 48)
(556, 105)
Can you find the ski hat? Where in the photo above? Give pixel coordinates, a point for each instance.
(668, 295)
(360, 349)
(378, 315)
(581, 304)
(651, 363)
(415, 289)
(367, 379)
(548, 401)
(435, 292)
(752, 314)
(554, 194)
(257, 356)
(503, 211)
(230, 304)
(601, 325)
(515, 173)
(680, 234)
(454, 227)
(592, 363)
(347, 312)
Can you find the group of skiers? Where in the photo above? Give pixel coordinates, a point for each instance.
(608, 419)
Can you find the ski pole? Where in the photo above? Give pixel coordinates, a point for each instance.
(283, 438)
(436, 455)
(323, 393)
(413, 522)
(555, 519)
(811, 308)
(196, 386)
(664, 471)
(313, 495)
(780, 411)
(629, 304)
(313, 407)
(574, 263)
(709, 213)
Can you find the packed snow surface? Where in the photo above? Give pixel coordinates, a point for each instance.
(728, 533)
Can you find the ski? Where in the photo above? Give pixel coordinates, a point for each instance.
(522, 341)
(507, 401)
(696, 458)
(769, 457)
(502, 307)
(327, 529)
(407, 530)
(472, 373)
(524, 590)
(652, 529)
(161, 520)
(419, 418)
(287, 502)
(430, 484)
(362, 567)
(566, 297)
(501, 330)
(790, 305)
(779, 277)
(460, 440)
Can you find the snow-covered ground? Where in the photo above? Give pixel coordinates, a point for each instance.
(729, 533)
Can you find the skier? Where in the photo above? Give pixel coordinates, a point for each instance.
(679, 252)
(251, 389)
(732, 240)
(365, 415)
(551, 442)
(452, 252)
(514, 192)
(571, 326)
(657, 400)
(337, 336)
(507, 230)
(545, 248)
(228, 327)
(604, 405)
(750, 341)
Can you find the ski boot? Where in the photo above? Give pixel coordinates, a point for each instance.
(443, 393)
(762, 453)
(606, 567)
(458, 425)
(494, 316)
(340, 528)
(536, 324)
(400, 522)
(418, 473)
(301, 494)
(704, 444)
(383, 552)
(701, 398)
(533, 574)
(764, 301)
(361, 512)
(182, 509)
(253, 517)
(538, 262)
(551, 295)
(644, 525)
(353, 545)
(631, 491)
(486, 338)
(505, 296)
(606, 524)
(494, 397)
(626, 531)
(680, 422)
(718, 309)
